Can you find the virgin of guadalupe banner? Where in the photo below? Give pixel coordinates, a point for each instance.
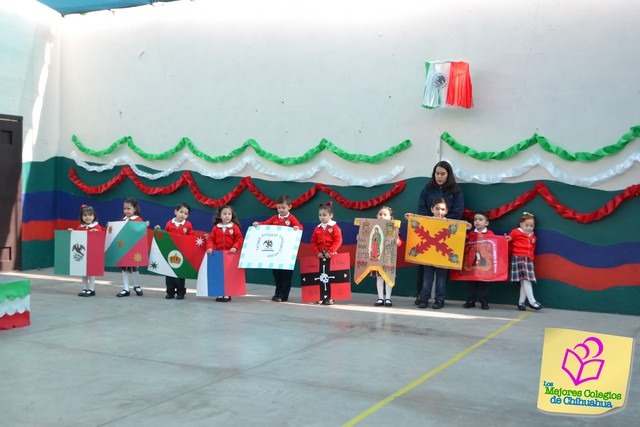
(486, 259)
(376, 249)
(325, 278)
(126, 244)
(435, 241)
(270, 246)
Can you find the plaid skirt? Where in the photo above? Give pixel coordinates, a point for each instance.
(522, 269)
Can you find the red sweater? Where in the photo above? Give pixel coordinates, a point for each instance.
(287, 221)
(224, 238)
(185, 228)
(94, 226)
(326, 239)
(522, 244)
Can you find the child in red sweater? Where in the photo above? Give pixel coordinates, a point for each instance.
(178, 225)
(326, 238)
(523, 245)
(89, 223)
(285, 218)
(478, 288)
(225, 236)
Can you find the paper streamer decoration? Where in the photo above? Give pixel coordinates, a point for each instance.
(376, 249)
(271, 247)
(15, 304)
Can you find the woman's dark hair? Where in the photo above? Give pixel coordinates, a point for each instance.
(450, 186)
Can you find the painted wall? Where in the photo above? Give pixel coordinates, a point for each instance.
(289, 75)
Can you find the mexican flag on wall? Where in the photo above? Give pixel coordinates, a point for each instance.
(176, 255)
(126, 244)
(447, 85)
(79, 253)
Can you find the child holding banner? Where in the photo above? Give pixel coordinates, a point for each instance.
(385, 213)
(131, 209)
(477, 289)
(225, 236)
(439, 210)
(177, 225)
(523, 245)
(326, 239)
(89, 223)
(285, 218)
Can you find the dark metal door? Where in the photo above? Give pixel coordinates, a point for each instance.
(10, 192)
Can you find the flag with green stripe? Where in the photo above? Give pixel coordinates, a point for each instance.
(79, 253)
(176, 255)
(126, 244)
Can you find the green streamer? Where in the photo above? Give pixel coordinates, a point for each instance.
(544, 143)
(186, 142)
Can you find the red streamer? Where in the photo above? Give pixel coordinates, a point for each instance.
(245, 183)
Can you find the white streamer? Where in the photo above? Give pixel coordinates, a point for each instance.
(549, 167)
(184, 157)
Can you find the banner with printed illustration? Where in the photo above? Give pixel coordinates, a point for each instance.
(376, 249)
(325, 278)
(176, 255)
(271, 247)
(79, 253)
(219, 275)
(435, 241)
(584, 373)
(126, 244)
(486, 259)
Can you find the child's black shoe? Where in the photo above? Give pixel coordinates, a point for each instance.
(522, 307)
(469, 304)
(484, 305)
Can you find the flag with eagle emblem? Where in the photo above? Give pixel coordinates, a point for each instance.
(79, 253)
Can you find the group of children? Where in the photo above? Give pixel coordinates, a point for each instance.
(325, 242)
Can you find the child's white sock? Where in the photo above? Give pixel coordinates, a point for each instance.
(388, 289)
(92, 283)
(523, 295)
(528, 289)
(380, 286)
(136, 276)
(125, 280)
(85, 280)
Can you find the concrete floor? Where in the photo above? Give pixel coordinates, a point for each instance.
(147, 361)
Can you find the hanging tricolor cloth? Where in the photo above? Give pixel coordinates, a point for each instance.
(448, 85)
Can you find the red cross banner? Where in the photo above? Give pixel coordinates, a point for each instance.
(325, 278)
(486, 259)
(435, 241)
(376, 249)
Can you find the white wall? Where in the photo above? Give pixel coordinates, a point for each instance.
(28, 72)
(289, 73)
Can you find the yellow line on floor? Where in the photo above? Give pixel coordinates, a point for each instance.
(431, 373)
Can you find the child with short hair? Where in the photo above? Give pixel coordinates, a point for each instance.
(131, 209)
(326, 239)
(178, 225)
(523, 245)
(285, 218)
(225, 236)
(475, 288)
(89, 223)
(385, 213)
(439, 210)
